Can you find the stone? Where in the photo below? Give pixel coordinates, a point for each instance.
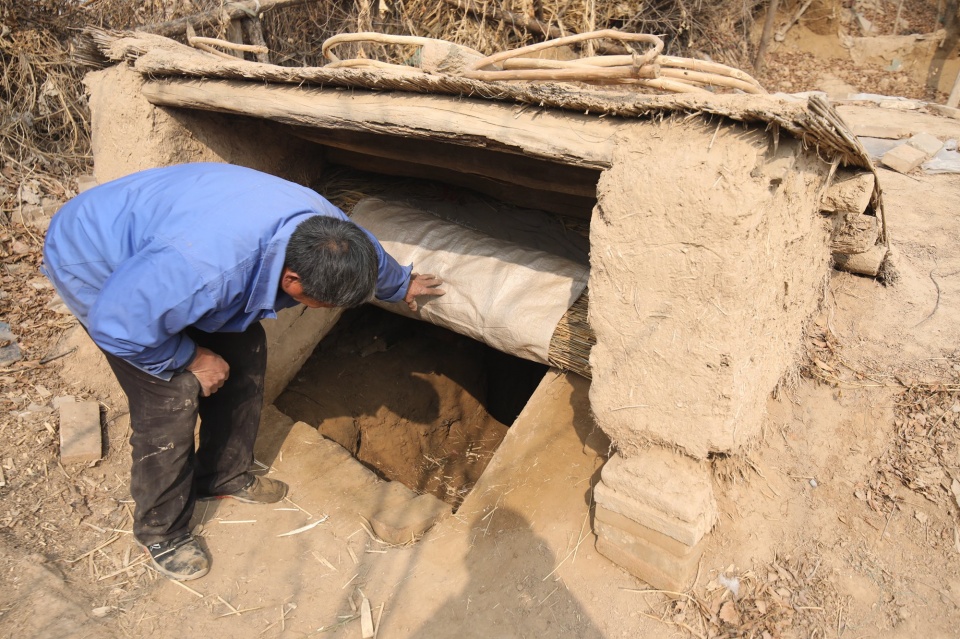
(668, 482)
(80, 435)
(903, 158)
(407, 521)
(651, 563)
(9, 349)
(926, 143)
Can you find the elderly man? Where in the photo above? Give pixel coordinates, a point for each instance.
(170, 270)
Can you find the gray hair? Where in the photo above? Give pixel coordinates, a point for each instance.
(335, 260)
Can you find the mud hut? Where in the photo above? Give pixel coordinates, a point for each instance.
(711, 219)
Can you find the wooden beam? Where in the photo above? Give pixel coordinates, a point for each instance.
(504, 167)
(550, 201)
(560, 137)
(253, 29)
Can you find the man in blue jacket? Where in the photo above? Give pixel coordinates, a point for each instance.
(170, 270)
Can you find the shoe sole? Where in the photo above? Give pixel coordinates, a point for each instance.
(172, 575)
(243, 500)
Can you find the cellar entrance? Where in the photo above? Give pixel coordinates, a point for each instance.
(414, 402)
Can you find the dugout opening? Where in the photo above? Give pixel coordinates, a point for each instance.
(414, 402)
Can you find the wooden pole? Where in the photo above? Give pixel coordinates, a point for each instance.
(767, 34)
(235, 35)
(233, 10)
(254, 31)
(954, 99)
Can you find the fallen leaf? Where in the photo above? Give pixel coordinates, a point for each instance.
(728, 614)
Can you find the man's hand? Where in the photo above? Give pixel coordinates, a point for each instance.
(210, 370)
(424, 284)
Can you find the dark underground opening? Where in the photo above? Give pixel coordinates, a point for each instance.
(414, 402)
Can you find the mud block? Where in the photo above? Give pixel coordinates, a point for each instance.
(644, 559)
(926, 143)
(399, 524)
(849, 194)
(80, 432)
(903, 158)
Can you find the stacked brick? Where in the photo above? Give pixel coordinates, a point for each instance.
(653, 511)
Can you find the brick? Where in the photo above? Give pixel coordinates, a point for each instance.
(926, 143)
(903, 158)
(689, 533)
(654, 565)
(402, 523)
(674, 484)
(657, 539)
(80, 432)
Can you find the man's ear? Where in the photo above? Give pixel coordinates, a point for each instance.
(288, 278)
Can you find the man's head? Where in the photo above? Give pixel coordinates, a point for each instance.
(329, 263)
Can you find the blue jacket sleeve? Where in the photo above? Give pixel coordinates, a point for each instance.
(393, 280)
(143, 308)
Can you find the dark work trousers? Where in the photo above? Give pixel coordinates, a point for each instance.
(169, 471)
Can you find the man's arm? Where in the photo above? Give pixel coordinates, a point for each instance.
(393, 280)
(144, 306)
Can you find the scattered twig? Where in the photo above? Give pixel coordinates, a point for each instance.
(304, 528)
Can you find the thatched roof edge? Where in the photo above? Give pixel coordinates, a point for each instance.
(814, 120)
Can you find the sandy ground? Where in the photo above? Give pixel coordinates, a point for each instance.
(841, 522)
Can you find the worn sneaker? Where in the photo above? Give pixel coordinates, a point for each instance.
(259, 490)
(180, 559)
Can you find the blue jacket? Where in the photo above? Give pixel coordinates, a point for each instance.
(140, 259)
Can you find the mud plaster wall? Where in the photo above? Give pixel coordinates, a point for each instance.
(708, 258)
(130, 134)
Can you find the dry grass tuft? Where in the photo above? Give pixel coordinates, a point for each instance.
(788, 597)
